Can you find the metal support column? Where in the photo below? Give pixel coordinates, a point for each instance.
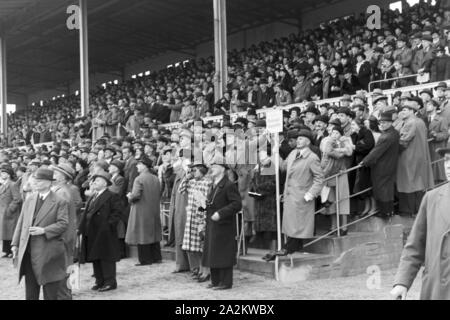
(3, 98)
(84, 59)
(220, 45)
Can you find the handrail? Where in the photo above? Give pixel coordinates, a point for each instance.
(391, 79)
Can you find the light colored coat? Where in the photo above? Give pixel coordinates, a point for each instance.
(438, 125)
(303, 174)
(47, 251)
(429, 244)
(144, 223)
(9, 209)
(414, 166)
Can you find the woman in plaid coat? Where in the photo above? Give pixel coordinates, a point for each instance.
(197, 189)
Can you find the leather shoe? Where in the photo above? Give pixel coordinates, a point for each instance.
(211, 286)
(142, 264)
(269, 257)
(96, 287)
(281, 253)
(179, 271)
(107, 288)
(222, 288)
(204, 279)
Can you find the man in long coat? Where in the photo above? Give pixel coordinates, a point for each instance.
(98, 228)
(414, 174)
(63, 174)
(177, 218)
(144, 224)
(38, 242)
(429, 245)
(222, 204)
(382, 161)
(304, 182)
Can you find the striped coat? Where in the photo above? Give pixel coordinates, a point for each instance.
(195, 219)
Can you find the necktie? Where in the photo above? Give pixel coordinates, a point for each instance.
(39, 202)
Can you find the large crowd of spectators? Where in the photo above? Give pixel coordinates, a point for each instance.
(394, 145)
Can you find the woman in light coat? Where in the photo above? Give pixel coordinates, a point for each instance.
(334, 148)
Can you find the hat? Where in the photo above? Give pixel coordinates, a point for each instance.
(35, 162)
(105, 176)
(443, 151)
(361, 96)
(102, 164)
(241, 120)
(427, 91)
(377, 92)
(8, 170)
(65, 169)
(260, 123)
(441, 85)
(386, 116)
(346, 97)
(403, 38)
(335, 122)
(338, 129)
(378, 98)
(427, 37)
(117, 163)
(405, 95)
(199, 164)
(145, 161)
(416, 99)
(110, 148)
(43, 174)
(219, 160)
(322, 118)
(346, 111)
(166, 149)
(305, 133)
(312, 108)
(186, 133)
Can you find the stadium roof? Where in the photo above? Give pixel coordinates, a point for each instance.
(42, 53)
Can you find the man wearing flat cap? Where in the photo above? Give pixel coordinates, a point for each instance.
(428, 244)
(64, 174)
(98, 228)
(414, 174)
(38, 245)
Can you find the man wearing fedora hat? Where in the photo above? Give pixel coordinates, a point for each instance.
(64, 174)
(98, 229)
(144, 224)
(382, 161)
(428, 244)
(38, 245)
(414, 174)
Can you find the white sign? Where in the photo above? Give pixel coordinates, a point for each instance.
(274, 121)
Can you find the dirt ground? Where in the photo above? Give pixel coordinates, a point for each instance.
(156, 282)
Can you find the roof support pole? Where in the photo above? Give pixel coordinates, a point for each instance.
(3, 88)
(84, 59)
(220, 46)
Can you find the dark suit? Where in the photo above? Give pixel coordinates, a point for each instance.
(100, 243)
(41, 259)
(364, 75)
(219, 252)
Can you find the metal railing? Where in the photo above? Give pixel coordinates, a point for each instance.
(391, 79)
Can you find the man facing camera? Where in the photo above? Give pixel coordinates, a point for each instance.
(38, 243)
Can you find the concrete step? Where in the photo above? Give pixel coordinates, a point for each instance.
(253, 262)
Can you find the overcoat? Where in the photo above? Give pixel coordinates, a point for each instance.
(429, 245)
(177, 214)
(382, 161)
(10, 201)
(98, 227)
(303, 174)
(70, 236)
(219, 250)
(119, 187)
(438, 125)
(144, 223)
(47, 251)
(414, 166)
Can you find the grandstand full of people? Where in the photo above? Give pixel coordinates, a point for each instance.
(391, 141)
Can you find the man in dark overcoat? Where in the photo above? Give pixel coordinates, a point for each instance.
(98, 227)
(382, 161)
(222, 204)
